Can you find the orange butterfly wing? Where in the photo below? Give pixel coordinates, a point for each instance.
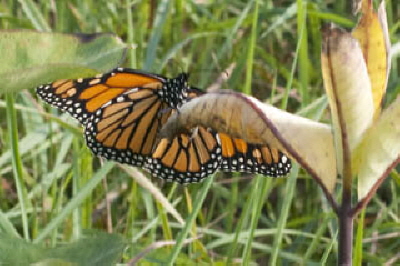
(187, 158)
(121, 111)
(239, 156)
(82, 97)
(125, 129)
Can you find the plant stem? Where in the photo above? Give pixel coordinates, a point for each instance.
(346, 212)
(345, 230)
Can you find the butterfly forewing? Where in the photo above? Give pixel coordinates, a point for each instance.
(82, 97)
(125, 129)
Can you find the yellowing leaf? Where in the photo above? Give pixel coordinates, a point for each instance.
(348, 89)
(372, 35)
(310, 143)
(380, 150)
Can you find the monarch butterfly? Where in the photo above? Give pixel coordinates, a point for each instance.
(123, 110)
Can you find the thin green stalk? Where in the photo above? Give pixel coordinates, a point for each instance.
(358, 250)
(131, 30)
(232, 206)
(76, 226)
(78, 199)
(34, 15)
(328, 250)
(201, 195)
(88, 207)
(317, 239)
(294, 64)
(162, 14)
(303, 51)
(132, 211)
(178, 26)
(250, 52)
(17, 163)
(58, 195)
(262, 186)
(148, 202)
(167, 232)
(243, 218)
(6, 226)
(289, 192)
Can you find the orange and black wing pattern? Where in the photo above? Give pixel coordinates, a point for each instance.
(239, 156)
(122, 111)
(187, 158)
(83, 97)
(125, 129)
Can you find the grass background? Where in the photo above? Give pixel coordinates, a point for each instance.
(58, 190)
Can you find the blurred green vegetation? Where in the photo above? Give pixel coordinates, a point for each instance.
(57, 188)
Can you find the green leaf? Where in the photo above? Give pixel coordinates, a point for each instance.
(31, 58)
(94, 249)
(16, 251)
(98, 249)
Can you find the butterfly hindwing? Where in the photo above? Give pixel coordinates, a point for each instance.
(187, 158)
(239, 156)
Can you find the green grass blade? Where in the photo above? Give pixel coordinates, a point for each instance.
(226, 47)
(35, 17)
(317, 239)
(80, 196)
(250, 52)
(303, 64)
(17, 163)
(189, 221)
(328, 250)
(294, 64)
(162, 14)
(262, 185)
(76, 176)
(166, 228)
(290, 187)
(358, 248)
(242, 221)
(7, 227)
(179, 46)
(281, 21)
(130, 38)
